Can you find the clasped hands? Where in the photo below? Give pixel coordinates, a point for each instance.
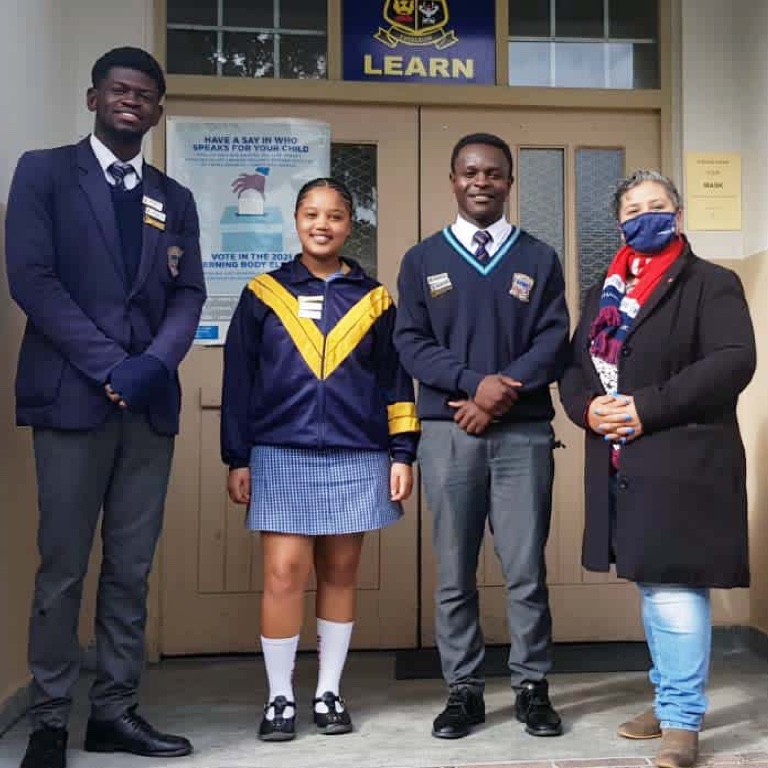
(134, 381)
(615, 418)
(495, 395)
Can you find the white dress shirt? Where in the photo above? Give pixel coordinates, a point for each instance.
(464, 231)
(106, 157)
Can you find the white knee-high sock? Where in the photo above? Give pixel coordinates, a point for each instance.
(332, 646)
(280, 659)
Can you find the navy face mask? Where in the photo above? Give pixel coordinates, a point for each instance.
(650, 232)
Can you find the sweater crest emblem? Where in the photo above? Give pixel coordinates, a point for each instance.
(521, 287)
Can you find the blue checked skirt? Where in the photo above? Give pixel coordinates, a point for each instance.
(319, 493)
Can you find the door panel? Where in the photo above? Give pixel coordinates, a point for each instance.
(211, 566)
(585, 606)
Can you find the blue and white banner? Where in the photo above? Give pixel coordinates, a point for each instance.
(245, 176)
(420, 41)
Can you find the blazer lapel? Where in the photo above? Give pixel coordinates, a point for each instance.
(661, 290)
(154, 189)
(96, 189)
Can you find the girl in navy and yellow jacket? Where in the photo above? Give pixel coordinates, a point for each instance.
(319, 430)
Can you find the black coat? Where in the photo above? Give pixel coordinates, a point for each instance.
(681, 514)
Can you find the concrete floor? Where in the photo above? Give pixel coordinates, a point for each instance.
(216, 703)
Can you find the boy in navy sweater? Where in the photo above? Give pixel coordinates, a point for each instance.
(483, 325)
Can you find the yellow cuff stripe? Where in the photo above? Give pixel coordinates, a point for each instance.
(402, 418)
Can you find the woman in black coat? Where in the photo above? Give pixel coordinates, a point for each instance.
(662, 350)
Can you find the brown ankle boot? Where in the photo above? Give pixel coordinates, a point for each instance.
(644, 726)
(679, 748)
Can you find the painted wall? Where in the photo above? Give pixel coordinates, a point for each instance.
(725, 79)
(46, 51)
(39, 114)
(752, 80)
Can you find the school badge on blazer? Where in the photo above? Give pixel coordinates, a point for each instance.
(174, 258)
(521, 287)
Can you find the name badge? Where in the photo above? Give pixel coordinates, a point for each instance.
(154, 222)
(439, 284)
(311, 307)
(157, 215)
(522, 285)
(148, 202)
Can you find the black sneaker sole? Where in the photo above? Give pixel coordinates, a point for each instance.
(335, 729)
(277, 736)
(454, 735)
(558, 731)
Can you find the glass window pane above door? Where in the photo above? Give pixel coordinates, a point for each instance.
(633, 20)
(579, 65)
(191, 52)
(247, 13)
(529, 63)
(530, 18)
(579, 18)
(248, 54)
(192, 11)
(583, 44)
(303, 14)
(302, 57)
(248, 38)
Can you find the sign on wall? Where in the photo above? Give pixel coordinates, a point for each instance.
(424, 41)
(245, 176)
(713, 191)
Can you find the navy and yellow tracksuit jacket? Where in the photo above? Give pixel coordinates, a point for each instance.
(310, 363)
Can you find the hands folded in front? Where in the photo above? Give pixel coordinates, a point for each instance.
(495, 395)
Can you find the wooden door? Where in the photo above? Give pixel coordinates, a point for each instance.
(566, 163)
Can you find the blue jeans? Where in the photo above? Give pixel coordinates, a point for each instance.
(678, 629)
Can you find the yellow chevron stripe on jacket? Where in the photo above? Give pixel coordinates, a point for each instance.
(342, 339)
(305, 334)
(402, 418)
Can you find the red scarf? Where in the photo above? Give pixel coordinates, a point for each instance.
(615, 318)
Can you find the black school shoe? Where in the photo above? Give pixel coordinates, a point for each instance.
(47, 748)
(533, 707)
(280, 727)
(465, 707)
(332, 722)
(133, 734)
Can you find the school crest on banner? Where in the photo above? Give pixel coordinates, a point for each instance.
(416, 22)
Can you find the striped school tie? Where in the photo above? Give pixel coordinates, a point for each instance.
(119, 171)
(481, 238)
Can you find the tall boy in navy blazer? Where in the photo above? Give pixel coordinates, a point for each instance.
(105, 262)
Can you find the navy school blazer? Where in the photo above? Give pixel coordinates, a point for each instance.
(66, 272)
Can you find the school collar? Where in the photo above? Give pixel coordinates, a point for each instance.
(106, 157)
(464, 231)
(298, 273)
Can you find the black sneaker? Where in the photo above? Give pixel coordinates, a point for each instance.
(465, 707)
(533, 707)
(47, 748)
(280, 727)
(336, 720)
